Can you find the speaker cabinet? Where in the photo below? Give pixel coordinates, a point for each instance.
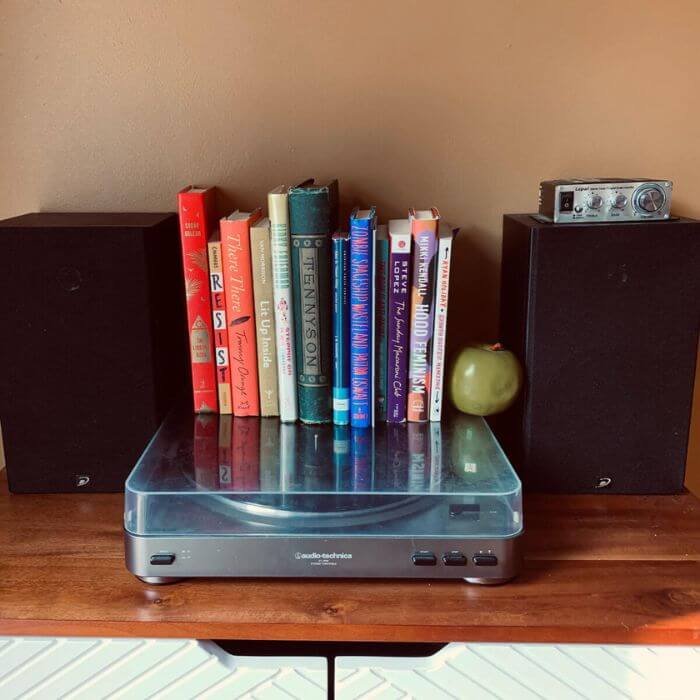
(94, 345)
(605, 319)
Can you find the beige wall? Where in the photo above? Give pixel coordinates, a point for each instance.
(464, 105)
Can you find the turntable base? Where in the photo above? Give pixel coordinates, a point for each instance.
(215, 496)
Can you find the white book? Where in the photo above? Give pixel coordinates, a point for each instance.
(282, 295)
(442, 289)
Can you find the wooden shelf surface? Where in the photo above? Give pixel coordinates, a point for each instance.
(615, 569)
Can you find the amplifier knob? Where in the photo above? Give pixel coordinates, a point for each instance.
(619, 201)
(595, 201)
(649, 199)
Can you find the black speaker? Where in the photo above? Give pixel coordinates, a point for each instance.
(605, 319)
(94, 345)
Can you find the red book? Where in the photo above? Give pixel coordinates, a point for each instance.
(240, 311)
(218, 306)
(197, 218)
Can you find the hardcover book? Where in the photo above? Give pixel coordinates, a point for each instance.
(399, 318)
(380, 321)
(442, 290)
(362, 235)
(277, 205)
(341, 329)
(264, 317)
(240, 311)
(424, 224)
(196, 207)
(313, 217)
(218, 311)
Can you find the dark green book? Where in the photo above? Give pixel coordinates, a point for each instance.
(313, 218)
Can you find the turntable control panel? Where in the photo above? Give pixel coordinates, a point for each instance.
(454, 558)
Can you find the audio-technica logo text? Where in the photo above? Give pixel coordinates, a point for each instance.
(323, 555)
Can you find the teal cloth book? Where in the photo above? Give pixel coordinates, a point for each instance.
(313, 218)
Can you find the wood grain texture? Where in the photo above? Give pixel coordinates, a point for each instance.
(598, 569)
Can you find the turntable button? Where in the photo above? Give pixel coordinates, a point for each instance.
(424, 559)
(485, 559)
(454, 559)
(162, 559)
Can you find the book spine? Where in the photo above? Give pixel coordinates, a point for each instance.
(264, 319)
(194, 210)
(311, 274)
(240, 312)
(341, 331)
(218, 311)
(310, 214)
(225, 457)
(422, 313)
(361, 335)
(381, 327)
(245, 454)
(442, 290)
(398, 331)
(283, 307)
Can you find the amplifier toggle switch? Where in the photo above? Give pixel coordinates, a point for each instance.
(595, 201)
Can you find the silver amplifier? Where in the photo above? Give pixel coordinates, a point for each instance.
(605, 199)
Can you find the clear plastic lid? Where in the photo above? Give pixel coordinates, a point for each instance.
(213, 474)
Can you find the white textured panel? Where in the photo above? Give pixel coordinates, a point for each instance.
(526, 671)
(43, 668)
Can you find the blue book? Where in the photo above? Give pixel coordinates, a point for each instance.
(341, 328)
(362, 234)
(381, 306)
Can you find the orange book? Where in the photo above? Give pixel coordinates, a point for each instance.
(240, 311)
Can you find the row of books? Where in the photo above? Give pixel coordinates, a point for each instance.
(290, 318)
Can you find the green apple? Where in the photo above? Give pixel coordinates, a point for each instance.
(484, 379)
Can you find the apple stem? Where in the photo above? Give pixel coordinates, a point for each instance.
(496, 346)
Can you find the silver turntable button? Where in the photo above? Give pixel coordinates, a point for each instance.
(595, 201)
(619, 201)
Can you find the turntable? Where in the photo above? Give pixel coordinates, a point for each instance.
(214, 495)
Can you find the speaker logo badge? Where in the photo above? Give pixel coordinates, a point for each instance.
(200, 341)
(82, 480)
(603, 482)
